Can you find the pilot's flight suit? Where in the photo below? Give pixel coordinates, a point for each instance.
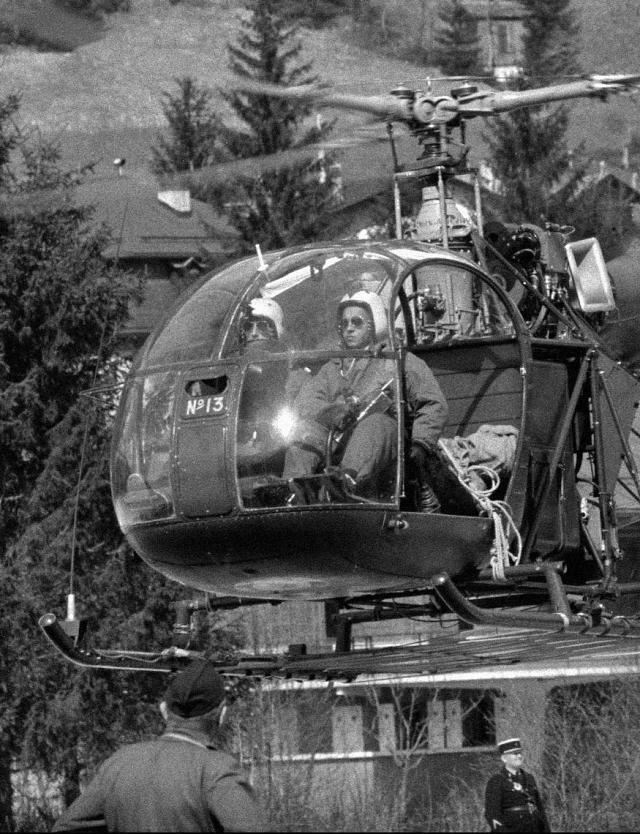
(373, 444)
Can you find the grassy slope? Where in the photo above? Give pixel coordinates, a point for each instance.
(113, 87)
(103, 100)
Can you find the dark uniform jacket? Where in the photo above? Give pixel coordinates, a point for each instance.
(175, 783)
(512, 803)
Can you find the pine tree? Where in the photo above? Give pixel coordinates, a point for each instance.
(287, 204)
(194, 128)
(528, 147)
(267, 51)
(457, 50)
(60, 305)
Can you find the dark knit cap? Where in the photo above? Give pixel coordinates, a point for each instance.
(195, 691)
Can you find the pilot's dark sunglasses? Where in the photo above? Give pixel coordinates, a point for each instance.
(263, 326)
(356, 321)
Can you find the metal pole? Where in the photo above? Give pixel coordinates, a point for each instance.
(608, 525)
(545, 488)
(478, 200)
(443, 209)
(396, 205)
(628, 455)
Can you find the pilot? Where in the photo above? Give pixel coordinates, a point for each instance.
(355, 395)
(512, 799)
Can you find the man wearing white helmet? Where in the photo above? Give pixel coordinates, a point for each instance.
(263, 323)
(365, 384)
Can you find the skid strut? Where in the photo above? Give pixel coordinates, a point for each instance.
(126, 661)
(559, 619)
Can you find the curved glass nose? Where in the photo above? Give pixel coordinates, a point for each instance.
(141, 464)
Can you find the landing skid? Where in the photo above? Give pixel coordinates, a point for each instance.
(546, 628)
(470, 654)
(123, 660)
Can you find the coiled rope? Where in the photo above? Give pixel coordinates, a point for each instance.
(504, 527)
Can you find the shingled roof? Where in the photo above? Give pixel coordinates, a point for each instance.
(143, 227)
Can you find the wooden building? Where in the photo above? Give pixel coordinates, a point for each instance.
(500, 29)
(164, 235)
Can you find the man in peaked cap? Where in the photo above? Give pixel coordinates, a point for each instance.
(512, 799)
(181, 781)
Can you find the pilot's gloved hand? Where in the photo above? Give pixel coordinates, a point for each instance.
(338, 414)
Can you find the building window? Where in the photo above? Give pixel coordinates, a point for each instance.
(424, 719)
(385, 720)
(504, 40)
(478, 718)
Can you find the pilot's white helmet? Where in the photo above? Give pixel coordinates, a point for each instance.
(267, 308)
(374, 304)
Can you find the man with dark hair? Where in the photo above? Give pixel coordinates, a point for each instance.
(181, 781)
(512, 799)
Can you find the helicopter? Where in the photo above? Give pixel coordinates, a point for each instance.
(516, 322)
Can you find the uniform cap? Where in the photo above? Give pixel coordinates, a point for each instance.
(195, 691)
(510, 745)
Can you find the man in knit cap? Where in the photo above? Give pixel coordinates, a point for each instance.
(182, 781)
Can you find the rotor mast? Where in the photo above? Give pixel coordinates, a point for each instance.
(441, 158)
(431, 117)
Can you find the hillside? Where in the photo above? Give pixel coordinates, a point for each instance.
(111, 89)
(103, 100)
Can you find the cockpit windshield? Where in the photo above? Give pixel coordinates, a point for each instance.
(303, 291)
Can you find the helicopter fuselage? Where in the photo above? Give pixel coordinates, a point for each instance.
(199, 476)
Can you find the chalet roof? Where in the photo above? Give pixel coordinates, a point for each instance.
(143, 228)
(622, 176)
(599, 173)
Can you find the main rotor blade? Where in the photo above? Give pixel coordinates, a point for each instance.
(387, 107)
(435, 109)
(255, 166)
(488, 103)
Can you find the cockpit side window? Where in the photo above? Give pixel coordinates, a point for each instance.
(194, 331)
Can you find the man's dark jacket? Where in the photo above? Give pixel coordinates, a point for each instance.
(175, 783)
(513, 803)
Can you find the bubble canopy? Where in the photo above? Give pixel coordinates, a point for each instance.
(307, 285)
(208, 414)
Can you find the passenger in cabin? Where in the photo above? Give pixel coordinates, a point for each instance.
(346, 412)
(261, 330)
(262, 326)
